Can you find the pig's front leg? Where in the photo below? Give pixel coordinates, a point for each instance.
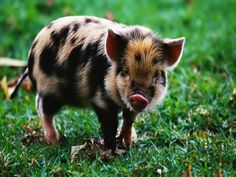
(109, 123)
(126, 130)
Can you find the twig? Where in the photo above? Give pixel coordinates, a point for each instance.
(11, 62)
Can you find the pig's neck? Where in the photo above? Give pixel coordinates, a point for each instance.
(111, 86)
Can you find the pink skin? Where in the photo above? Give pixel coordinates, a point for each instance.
(138, 102)
(50, 132)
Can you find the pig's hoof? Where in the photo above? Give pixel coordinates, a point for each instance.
(52, 139)
(120, 143)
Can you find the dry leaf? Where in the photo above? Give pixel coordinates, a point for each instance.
(219, 172)
(188, 172)
(31, 135)
(91, 148)
(27, 85)
(26, 129)
(12, 62)
(203, 111)
(201, 134)
(193, 85)
(5, 88)
(75, 150)
(159, 171)
(33, 162)
(56, 171)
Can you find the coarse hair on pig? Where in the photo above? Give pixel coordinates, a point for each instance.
(92, 62)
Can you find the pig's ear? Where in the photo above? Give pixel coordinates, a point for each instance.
(173, 49)
(114, 46)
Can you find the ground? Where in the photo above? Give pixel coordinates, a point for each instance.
(192, 133)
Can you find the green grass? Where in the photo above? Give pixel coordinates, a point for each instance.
(195, 126)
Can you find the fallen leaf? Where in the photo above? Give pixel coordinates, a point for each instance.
(192, 85)
(188, 172)
(31, 135)
(56, 171)
(27, 85)
(91, 148)
(159, 171)
(219, 172)
(5, 88)
(201, 134)
(26, 129)
(33, 162)
(12, 62)
(75, 150)
(203, 111)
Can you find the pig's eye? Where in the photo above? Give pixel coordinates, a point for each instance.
(156, 78)
(159, 77)
(124, 72)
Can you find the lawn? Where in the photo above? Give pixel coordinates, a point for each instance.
(193, 133)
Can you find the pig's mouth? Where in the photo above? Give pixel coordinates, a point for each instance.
(138, 101)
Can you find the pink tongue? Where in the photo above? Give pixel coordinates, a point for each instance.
(138, 102)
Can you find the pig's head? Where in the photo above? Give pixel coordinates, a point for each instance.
(140, 61)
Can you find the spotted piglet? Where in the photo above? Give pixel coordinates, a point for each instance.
(91, 62)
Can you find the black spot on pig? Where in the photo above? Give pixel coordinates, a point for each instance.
(99, 67)
(73, 40)
(58, 38)
(82, 39)
(31, 61)
(138, 34)
(68, 71)
(89, 20)
(76, 26)
(50, 103)
(48, 59)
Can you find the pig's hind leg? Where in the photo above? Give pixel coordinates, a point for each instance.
(47, 105)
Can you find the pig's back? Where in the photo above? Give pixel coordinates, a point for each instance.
(67, 59)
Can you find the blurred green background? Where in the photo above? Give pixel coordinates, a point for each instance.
(209, 26)
(192, 132)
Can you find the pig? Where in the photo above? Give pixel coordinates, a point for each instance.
(90, 62)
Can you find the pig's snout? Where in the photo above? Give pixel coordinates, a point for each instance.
(138, 102)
